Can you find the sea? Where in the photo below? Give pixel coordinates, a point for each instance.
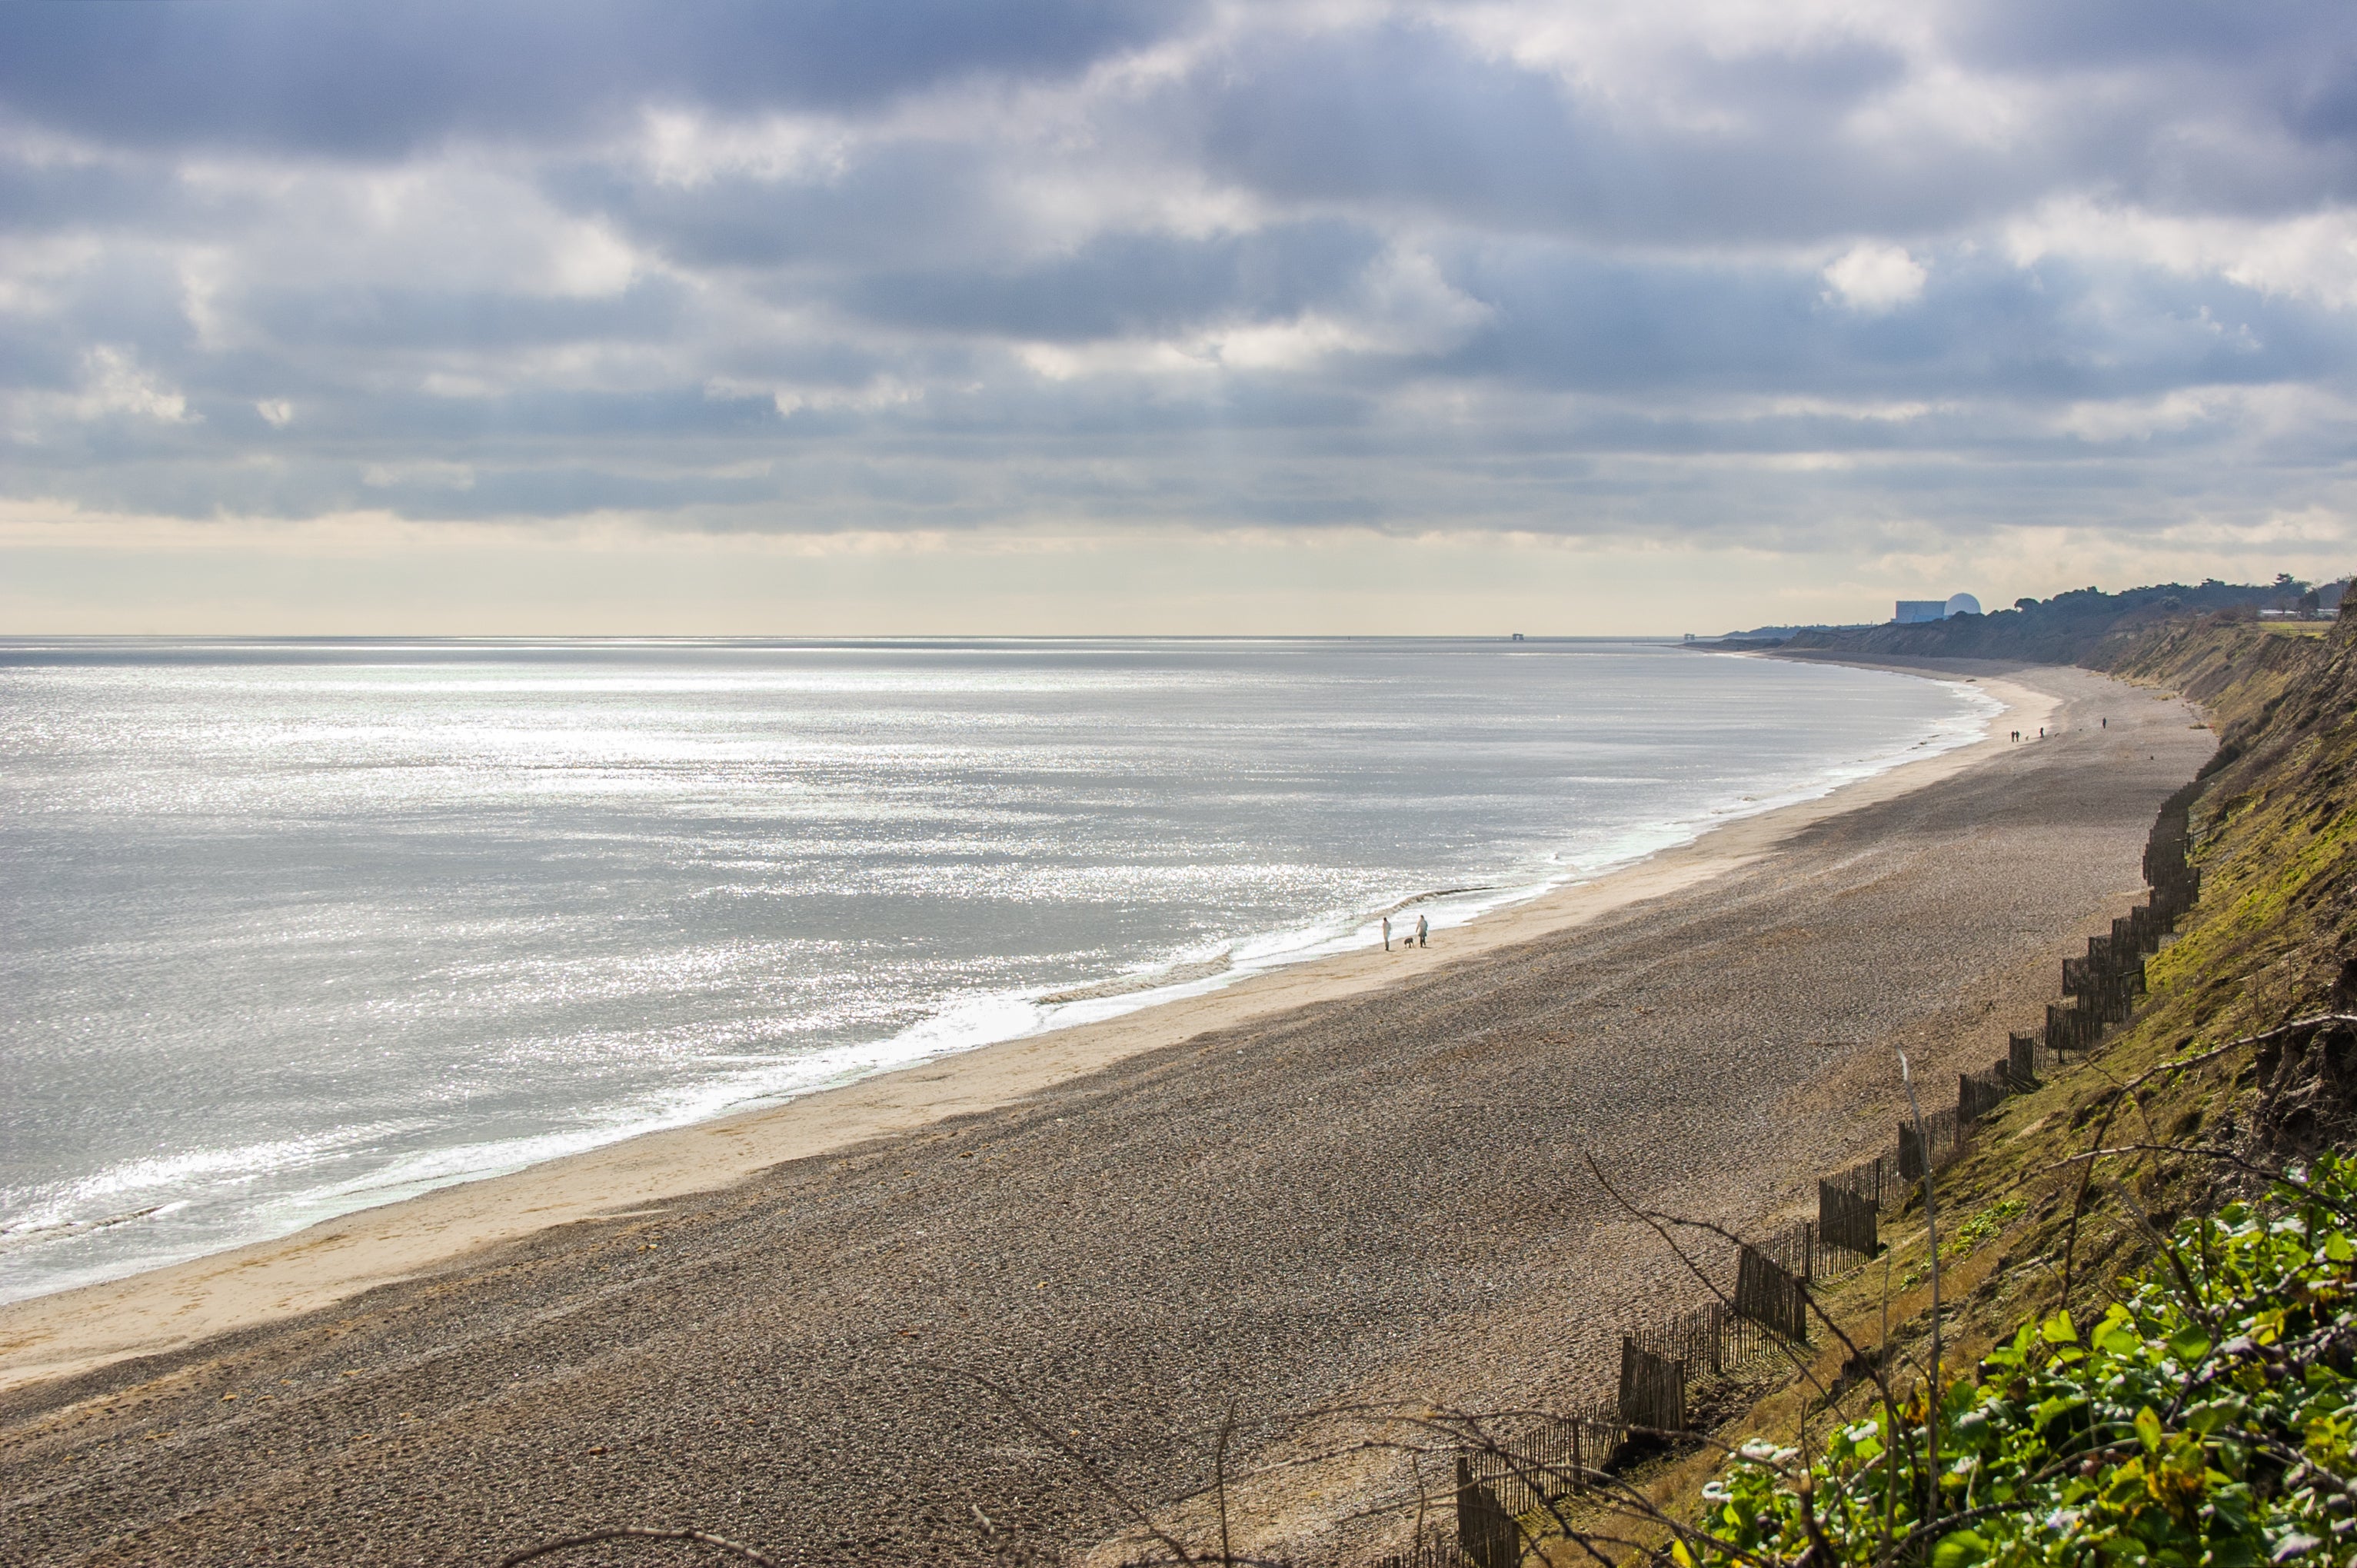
(289, 928)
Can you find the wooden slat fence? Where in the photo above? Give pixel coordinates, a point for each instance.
(1431, 1549)
(1846, 1226)
(1875, 1180)
(1660, 1366)
(1770, 1295)
(1793, 1250)
(2175, 880)
(1486, 1533)
(1549, 1461)
(1978, 1093)
(1931, 1146)
(1652, 1387)
(2071, 1028)
(2021, 1061)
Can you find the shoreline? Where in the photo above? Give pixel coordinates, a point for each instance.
(169, 1308)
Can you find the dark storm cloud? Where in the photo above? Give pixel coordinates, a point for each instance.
(827, 265)
(1573, 319)
(1410, 114)
(568, 491)
(1129, 284)
(2032, 36)
(389, 316)
(1769, 150)
(121, 297)
(928, 200)
(2196, 92)
(35, 198)
(379, 81)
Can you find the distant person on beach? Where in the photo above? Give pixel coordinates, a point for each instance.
(1421, 928)
(1387, 933)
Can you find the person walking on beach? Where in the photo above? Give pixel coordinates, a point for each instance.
(1387, 933)
(1421, 928)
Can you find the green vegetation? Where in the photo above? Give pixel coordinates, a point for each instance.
(2085, 626)
(2278, 907)
(2208, 1417)
(1980, 1227)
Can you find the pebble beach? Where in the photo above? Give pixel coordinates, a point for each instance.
(888, 1324)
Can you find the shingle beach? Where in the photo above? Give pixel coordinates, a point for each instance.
(1382, 1194)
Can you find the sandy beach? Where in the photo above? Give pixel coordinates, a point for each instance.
(1360, 1177)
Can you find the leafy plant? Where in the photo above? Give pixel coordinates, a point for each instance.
(2207, 1420)
(1982, 1226)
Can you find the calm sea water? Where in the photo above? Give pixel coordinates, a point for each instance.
(291, 928)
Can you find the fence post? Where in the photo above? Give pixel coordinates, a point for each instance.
(1913, 1157)
(1845, 1220)
(1652, 1389)
(1486, 1533)
(1767, 1296)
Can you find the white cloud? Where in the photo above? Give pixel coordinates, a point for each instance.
(690, 150)
(1874, 277)
(2312, 255)
(1594, 268)
(113, 382)
(427, 473)
(2138, 420)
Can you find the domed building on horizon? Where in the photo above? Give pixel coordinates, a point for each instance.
(1911, 611)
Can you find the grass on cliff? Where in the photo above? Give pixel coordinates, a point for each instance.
(2206, 1414)
(2035, 1234)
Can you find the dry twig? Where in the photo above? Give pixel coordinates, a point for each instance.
(641, 1532)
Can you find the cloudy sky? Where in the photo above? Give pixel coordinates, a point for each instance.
(1143, 315)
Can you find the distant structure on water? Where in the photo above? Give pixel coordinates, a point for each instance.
(1913, 610)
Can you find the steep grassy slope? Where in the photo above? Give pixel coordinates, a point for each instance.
(2034, 1222)
(2279, 913)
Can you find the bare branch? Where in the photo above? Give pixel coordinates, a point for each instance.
(642, 1532)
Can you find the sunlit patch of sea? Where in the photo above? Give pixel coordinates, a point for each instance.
(291, 928)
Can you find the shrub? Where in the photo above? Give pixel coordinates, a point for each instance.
(2207, 1418)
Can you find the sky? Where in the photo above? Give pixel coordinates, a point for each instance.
(1106, 316)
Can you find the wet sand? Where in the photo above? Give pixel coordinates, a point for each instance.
(1357, 1179)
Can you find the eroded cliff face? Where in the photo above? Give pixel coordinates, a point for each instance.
(2273, 821)
(2276, 934)
(2233, 667)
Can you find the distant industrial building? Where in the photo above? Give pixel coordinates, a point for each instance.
(1913, 610)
